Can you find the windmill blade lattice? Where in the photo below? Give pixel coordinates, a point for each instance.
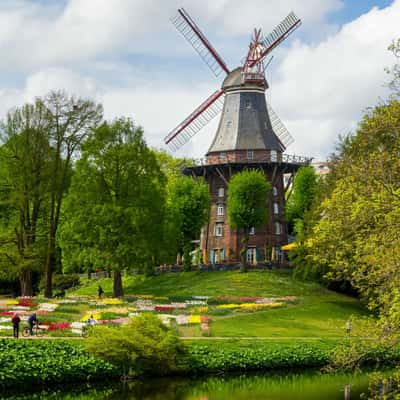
(280, 130)
(191, 32)
(280, 33)
(197, 120)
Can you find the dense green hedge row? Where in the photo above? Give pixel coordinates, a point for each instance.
(31, 362)
(206, 358)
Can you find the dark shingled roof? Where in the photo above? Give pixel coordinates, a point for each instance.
(244, 122)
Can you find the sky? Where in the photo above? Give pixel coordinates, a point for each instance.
(127, 55)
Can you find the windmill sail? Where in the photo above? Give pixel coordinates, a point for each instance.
(280, 33)
(195, 121)
(192, 33)
(279, 129)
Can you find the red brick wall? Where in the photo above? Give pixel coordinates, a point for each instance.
(231, 239)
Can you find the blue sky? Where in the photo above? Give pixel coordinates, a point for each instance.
(127, 55)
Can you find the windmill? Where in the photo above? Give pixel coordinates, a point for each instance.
(249, 135)
(251, 73)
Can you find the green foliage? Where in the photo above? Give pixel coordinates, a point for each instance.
(246, 203)
(302, 197)
(114, 212)
(65, 281)
(144, 346)
(205, 358)
(188, 208)
(247, 197)
(35, 362)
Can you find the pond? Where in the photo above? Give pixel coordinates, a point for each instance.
(295, 386)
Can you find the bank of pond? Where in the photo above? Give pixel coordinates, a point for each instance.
(26, 364)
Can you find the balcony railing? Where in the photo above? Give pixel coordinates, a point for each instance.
(268, 158)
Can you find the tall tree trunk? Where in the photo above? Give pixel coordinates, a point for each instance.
(243, 252)
(25, 280)
(117, 286)
(50, 264)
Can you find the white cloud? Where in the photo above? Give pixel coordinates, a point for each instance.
(126, 54)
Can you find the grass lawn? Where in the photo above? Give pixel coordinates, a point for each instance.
(318, 312)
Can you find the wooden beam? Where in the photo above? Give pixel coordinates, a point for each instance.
(222, 176)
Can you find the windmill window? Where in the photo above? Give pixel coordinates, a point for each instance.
(219, 230)
(222, 155)
(274, 191)
(221, 192)
(220, 209)
(274, 156)
(247, 104)
(276, 208)
(250, 154)
(252, 231)
(278, 228)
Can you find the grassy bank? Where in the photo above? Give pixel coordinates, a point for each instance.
(316, 313)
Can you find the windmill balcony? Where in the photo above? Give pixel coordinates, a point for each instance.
(253, 157)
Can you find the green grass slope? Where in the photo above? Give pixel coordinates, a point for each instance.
(318, 312)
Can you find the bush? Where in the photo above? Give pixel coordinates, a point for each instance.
(63, 282)
(33, 362)
(143, 347)
(206, 358)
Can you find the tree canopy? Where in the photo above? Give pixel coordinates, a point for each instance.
(247, 204)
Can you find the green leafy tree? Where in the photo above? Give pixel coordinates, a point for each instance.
(302, 196)
(247, 205)
(188, 205)
(115, 208)
(24, 178)
(70, 120)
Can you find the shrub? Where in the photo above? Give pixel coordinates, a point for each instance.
(206, 358)
(63, 282)
(145, 346)
(33, 362)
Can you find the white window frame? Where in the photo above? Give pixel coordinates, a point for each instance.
(274, 156)
(219, 230)
(221, 192)
(274, 191)
(222, 156)
(276, 208)
(278, 228)
(252, 231)
(220, 210)
(250, 154)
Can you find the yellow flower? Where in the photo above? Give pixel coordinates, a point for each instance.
(12, 302)
(111, 301)
(96, 316)
(228, 306)
(194, 319)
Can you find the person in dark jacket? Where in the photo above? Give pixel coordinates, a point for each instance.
(31, 321)
(15, 321)
(100, 291)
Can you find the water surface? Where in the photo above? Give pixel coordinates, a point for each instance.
(296, 386)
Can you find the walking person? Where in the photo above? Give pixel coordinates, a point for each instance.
(100, 292)
(31, 321)
(348, 328)
(15, 322)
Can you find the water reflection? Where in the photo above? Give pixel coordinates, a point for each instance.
(310, 386)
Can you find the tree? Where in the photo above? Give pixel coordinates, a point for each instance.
(302, 197)
(247, 205)
(70, 120)
(115, 208)
(24, 176)
(188, 205)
